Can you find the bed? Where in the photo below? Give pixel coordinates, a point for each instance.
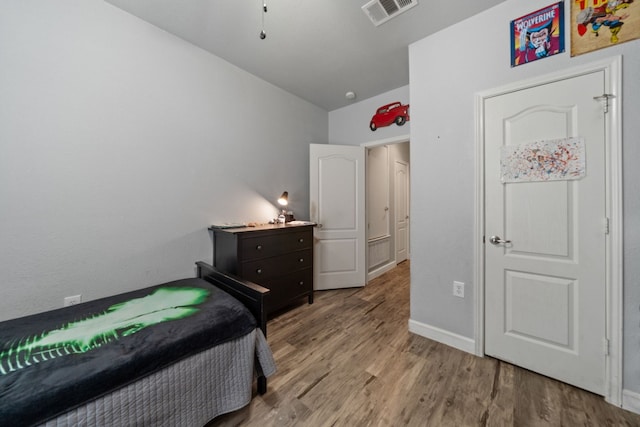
(179, 353)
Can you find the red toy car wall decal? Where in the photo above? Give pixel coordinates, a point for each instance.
(388, 114)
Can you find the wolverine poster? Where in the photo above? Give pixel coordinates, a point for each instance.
(596, 24)
(537, 35)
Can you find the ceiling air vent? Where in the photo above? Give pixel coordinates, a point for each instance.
(380, 11)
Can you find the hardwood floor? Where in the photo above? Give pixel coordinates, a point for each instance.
(349, 360)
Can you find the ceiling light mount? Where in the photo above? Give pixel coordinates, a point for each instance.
(350, 95)
(263, 33)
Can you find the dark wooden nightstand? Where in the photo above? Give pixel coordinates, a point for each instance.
(276, 256)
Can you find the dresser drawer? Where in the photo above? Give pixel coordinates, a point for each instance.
(285, 289)
(266, 268)
(267, 246)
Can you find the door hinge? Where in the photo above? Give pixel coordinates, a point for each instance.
(606, 226)
(606, 347)
(604, 97)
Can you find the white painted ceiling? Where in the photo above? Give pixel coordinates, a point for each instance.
(317, 50)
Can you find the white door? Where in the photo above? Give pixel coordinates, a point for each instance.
(402, 210)
(337, 205)
(545, 290)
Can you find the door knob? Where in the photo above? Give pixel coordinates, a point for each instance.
(497, 240)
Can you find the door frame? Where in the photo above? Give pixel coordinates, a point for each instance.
(612, 68)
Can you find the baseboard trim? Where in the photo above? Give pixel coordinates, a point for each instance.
(631, 401)
(445, 337)
(381, 270)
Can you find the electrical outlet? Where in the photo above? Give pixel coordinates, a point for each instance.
(458, 289)
(72, 300)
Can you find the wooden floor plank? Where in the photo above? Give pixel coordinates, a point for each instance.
(348, 359)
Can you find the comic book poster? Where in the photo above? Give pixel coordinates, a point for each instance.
(596, 24)
(537, 35)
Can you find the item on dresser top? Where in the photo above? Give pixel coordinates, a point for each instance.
(229, 225)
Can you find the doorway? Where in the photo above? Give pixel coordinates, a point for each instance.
(388, 180)
(341, 180)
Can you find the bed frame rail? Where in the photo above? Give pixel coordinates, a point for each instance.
(250, 294)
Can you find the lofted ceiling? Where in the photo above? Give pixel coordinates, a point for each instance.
(317, 50)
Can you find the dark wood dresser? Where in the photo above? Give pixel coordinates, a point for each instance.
(278, 257)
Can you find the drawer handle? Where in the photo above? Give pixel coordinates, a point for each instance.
(301, 260)
(301, 283)
(301, 240)
(259, 271)
(259, 247)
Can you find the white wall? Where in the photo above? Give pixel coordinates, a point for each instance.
(350, 125)
(120, 144)
(446, 71)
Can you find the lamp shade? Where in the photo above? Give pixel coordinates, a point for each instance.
(284, 199)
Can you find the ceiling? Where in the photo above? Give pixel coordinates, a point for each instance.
(317, 50)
